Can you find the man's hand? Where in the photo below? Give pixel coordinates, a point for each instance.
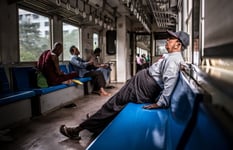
(104, 65)
(61, 72)
(151, 106)
(91, 61)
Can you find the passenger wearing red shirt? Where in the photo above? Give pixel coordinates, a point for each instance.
(48, 64)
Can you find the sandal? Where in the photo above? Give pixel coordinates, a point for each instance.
(69, 132)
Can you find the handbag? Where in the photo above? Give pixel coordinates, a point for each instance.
(41, 80)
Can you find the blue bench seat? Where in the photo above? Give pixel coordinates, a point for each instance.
(135, 128)
(189, 123)
(8, 95)
(85, 80)
(15, 106)
(49, 98)
(63, 67)
(42, 91)
(11, 97)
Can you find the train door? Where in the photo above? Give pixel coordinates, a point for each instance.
(142, 52)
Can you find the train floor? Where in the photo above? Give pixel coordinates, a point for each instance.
(42, 133)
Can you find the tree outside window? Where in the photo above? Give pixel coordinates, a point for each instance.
(33, 39)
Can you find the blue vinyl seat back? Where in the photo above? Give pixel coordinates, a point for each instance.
(71, 67)
(208, 133)
(63, 68)
(84, 79)
(4, 82)
(184, 100)
(24, 78)
(9, 96)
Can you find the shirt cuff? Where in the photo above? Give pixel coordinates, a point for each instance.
(159, 103)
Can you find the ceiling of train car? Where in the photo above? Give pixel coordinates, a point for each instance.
(151, 14)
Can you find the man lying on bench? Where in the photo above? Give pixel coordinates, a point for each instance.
(153, 85)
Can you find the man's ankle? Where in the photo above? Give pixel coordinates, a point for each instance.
(78, 129)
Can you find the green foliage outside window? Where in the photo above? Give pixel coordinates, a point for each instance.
(70, 37)
(31, 40)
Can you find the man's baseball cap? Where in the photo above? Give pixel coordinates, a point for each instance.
(183, 37)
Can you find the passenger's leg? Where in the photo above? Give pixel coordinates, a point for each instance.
(66, 78)
(106, 73)
(98, 82)
(140, 89)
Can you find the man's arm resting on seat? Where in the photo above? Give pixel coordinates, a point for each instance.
(152, 106)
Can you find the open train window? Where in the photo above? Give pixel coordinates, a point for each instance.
(34, 36)
(160, 47)
(71, 36)
(143, 45)
(95, 40)
(160, 42)
(111, 42)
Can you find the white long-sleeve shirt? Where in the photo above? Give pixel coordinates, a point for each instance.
(165, 72)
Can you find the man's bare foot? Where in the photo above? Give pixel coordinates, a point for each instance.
(67, 82)
(105, 94)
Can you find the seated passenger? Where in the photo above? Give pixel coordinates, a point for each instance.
(48, 64)
(103, 67)
(80, 66)
(145, 64)
(151, 85)
(138, 62)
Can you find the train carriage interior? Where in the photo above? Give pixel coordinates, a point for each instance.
(200, 115)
